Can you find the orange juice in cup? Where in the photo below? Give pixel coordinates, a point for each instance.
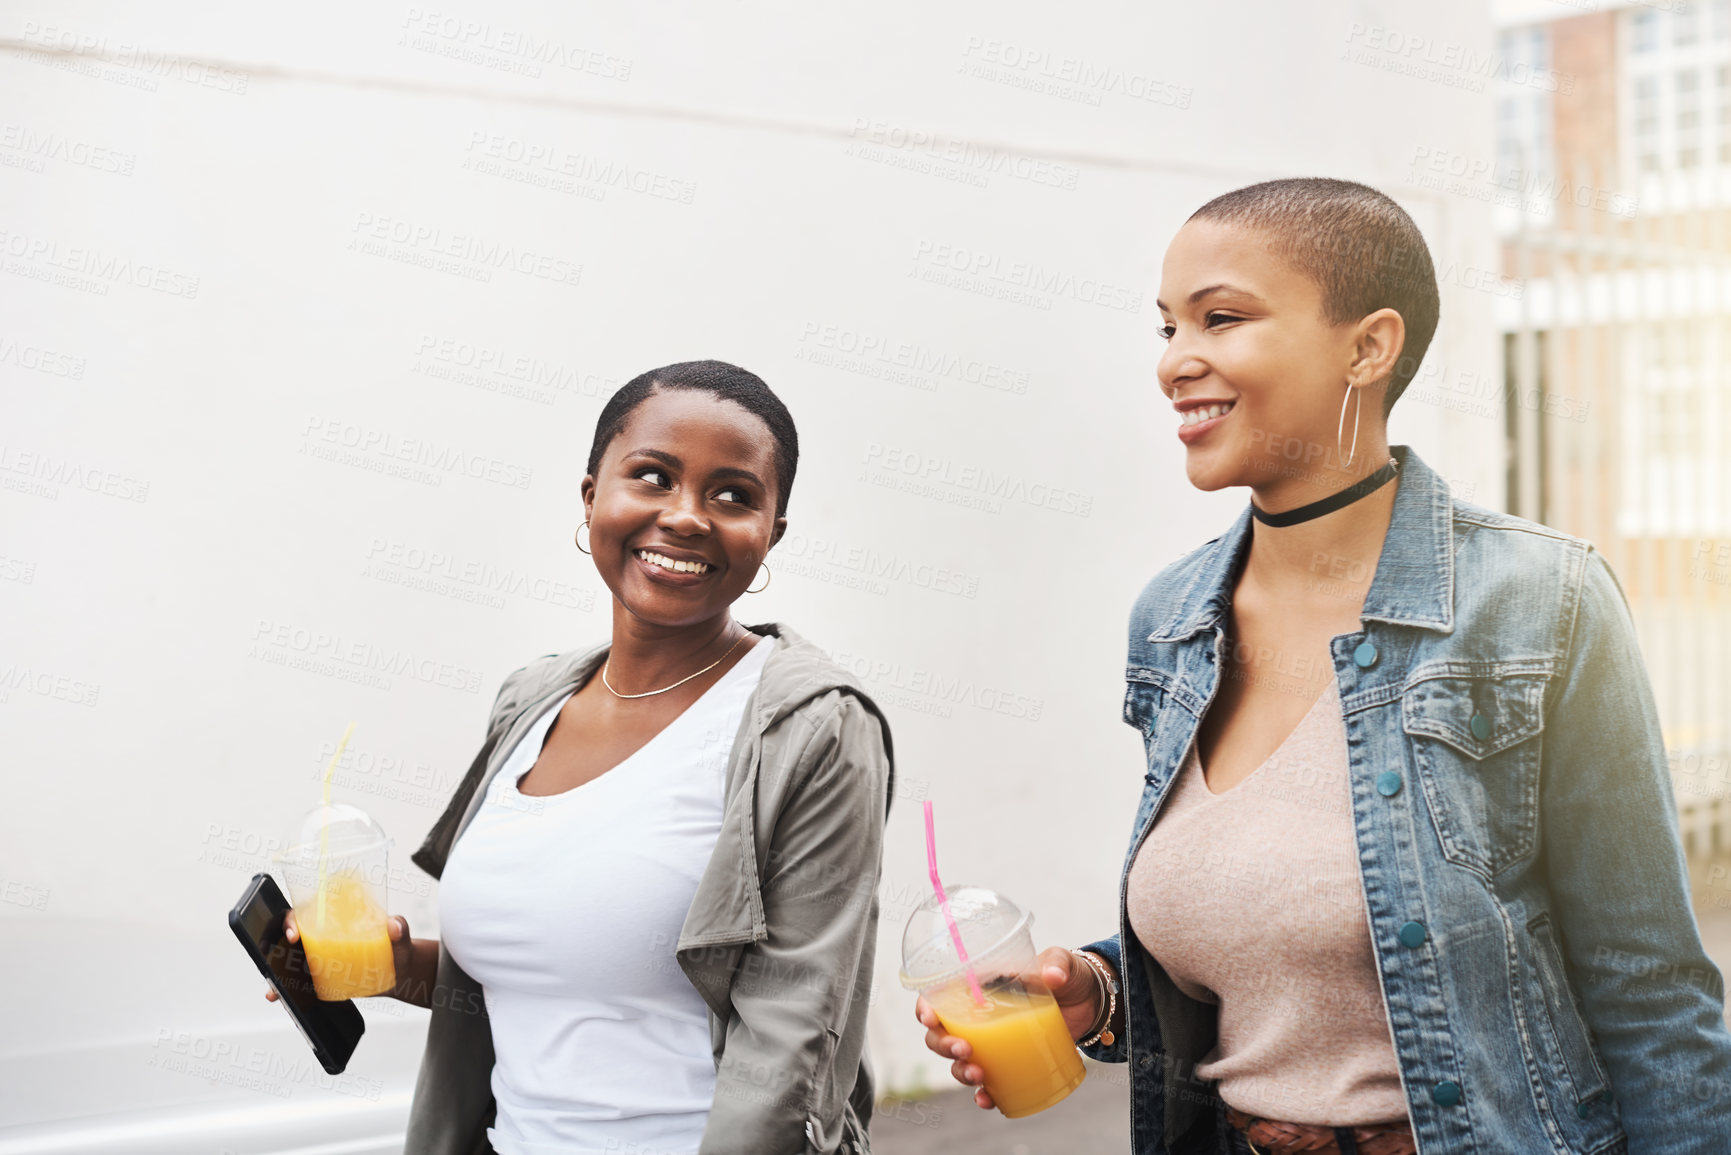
(336, 869)
(995, 999)
(349, 951)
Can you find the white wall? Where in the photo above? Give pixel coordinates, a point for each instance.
(195, 297)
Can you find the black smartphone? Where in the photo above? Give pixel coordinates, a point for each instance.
(334, 1028)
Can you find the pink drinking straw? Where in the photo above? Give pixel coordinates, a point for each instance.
(944, 904)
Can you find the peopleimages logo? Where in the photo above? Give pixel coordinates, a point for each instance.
(47, 684)
(1020, 281)
(415, 243)
(872, 566)
(55, 471)
(326, 652)
(919, 473)
(40, 360)
(133, 57)
(49, 145)
(857, 350)
(467, 579)
(539, 376)
(556, 161)
(952, 158)
(103, 268)
(1453, 64)
(430, 30)
(387, 447)
(1069, 77)
(939, 687)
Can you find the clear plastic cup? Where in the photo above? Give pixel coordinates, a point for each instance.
(348, 946)
(1017, 1034)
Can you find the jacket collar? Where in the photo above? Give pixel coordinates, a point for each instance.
(1415, 575)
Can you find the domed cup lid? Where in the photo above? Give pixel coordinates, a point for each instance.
(991, 926)
(336, 830)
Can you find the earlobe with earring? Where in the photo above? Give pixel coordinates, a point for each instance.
(766, 577)
(1346, 460)
(578, 536)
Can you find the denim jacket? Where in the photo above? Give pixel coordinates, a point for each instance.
(1524, 882)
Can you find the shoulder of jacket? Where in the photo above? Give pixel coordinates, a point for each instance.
(844, 701)
(843, 707)
(1167, 589)
(1501, 544)
(800, 678)
(528, 681)
(809, 693)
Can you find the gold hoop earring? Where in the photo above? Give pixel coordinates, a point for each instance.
(766, 577)
(578, 537)
(1346, 459)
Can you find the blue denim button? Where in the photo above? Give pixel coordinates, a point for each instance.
(1481, 727)
(1411, 934)
(1365, 656)
(1388, 783)
(1446, 1094)
(1584, 1109)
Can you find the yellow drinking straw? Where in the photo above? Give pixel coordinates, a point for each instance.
(325, 822)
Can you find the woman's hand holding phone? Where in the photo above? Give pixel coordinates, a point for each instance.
(1075, 989)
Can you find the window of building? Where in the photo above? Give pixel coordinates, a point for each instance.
(1685, 24)
(1722, 84)
(1688, 119)
(1644, 30)
(1676, 417)
(1672, 401)
(1647, 123)
(1539, 47)
(1539, 115)
(1510, 148)
(1524, 145)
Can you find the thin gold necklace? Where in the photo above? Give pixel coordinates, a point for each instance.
(676, 685)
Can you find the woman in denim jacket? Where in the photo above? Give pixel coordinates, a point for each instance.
(1417, 883)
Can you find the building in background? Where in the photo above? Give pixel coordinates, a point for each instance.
(1612, 193)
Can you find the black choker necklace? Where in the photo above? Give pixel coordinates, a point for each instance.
(1329, 504)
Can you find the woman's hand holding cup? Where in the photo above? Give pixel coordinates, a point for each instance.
(402, 949)
(1074, 987)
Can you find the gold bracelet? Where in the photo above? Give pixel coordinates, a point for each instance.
(1109, 993)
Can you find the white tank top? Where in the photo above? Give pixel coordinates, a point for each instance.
(567, 908)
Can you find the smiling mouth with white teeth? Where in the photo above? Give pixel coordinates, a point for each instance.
(661, 561)
(1205, 413)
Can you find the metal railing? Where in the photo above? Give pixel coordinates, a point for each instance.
(1617, 419)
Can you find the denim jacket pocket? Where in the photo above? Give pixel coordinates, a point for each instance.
(1146, 706)
(1576, 1088)
(1476, 745)
(1563, 1014)
(1144, 695)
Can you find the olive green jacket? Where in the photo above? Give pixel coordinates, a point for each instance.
(779, 938)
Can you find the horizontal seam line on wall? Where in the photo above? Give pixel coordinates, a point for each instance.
(740, 120)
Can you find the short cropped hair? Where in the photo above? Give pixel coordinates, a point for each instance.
(720, 380)
(1360, 248)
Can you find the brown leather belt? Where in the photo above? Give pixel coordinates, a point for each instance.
(1271, 1137)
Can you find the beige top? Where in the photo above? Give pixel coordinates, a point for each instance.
(1252, 899)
